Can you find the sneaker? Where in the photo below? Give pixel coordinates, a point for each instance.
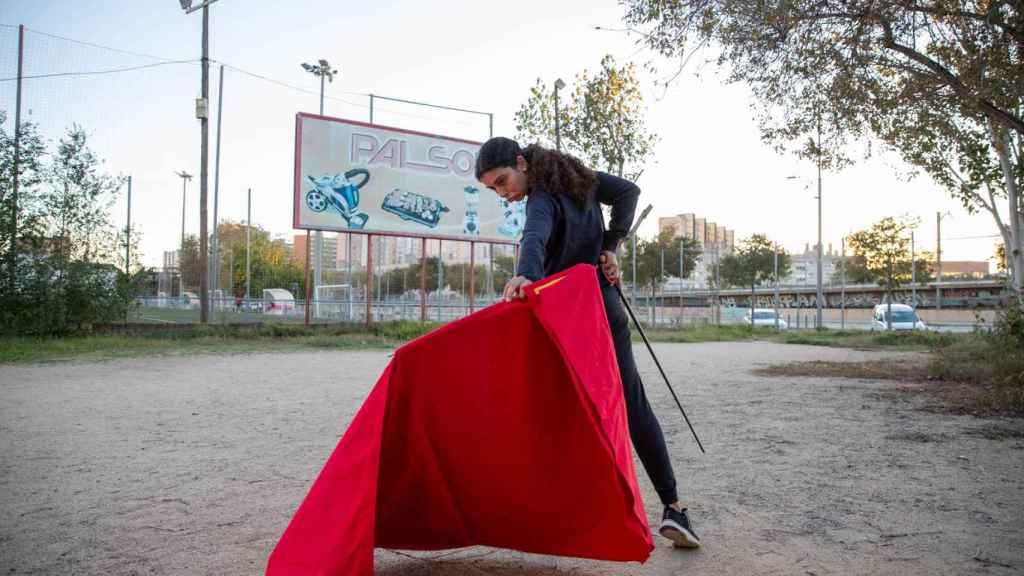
(676, 527)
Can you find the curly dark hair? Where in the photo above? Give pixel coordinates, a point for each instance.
(554, 171)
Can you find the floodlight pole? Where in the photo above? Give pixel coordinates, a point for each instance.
(12, 255)
(215, 248)
(248, 229)
(185, 178)
(322, 69)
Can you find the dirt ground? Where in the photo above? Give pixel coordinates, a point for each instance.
(195, 464)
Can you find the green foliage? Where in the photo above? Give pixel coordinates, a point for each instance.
(940, 83)
(602, 121)
(271, 265)
(753, 263)
(211, 339)
(882, 255)
(649, 258)
(991, 365)
(63, 277)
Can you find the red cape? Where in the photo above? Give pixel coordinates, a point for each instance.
(506, 429)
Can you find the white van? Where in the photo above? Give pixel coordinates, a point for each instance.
(903, 318)
(764, 317)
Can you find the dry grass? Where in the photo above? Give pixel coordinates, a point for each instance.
(917, 376)
(902, 370)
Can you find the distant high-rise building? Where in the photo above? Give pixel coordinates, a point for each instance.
(170, 259)
(698, 230)
(715, 239)
(711, 235)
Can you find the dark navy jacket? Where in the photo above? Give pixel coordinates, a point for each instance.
(559, 234)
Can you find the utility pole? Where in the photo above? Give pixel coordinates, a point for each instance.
(128, 233)
(128, 244)
(913, 272)
(322, 69)
(938, 260)
(202, 110)
(682, 251)
(718, 281)
(660, 280)
(215, 248)
(185, 178)
(775, 254)
(12, 258)
(248, 229)
(820, 295)
(842, 296)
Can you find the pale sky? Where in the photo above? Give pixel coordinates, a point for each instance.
(475, 55)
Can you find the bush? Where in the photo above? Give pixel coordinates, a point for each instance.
(990, 366)
(49, 302)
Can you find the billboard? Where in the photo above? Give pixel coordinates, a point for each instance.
(357, 177)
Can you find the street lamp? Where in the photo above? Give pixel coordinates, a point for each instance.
(558, 133)
(185, 177)
(323, 70)
(820, 294)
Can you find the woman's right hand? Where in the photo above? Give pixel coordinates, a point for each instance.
(515, 289)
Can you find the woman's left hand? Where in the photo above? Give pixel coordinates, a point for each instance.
(610, 266)
(516, 288)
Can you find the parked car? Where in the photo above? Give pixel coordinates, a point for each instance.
(903, 318)
(765, 317)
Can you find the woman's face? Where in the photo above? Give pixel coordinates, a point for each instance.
(509, 183)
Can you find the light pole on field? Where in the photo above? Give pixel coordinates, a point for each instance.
(322, 69)
(185, 178)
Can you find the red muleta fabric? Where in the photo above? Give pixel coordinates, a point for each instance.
(506, 429)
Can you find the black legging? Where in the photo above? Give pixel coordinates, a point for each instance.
(643, 424)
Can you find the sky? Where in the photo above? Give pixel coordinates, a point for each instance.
(474, 55)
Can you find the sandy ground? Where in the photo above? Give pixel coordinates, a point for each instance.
(194, 465)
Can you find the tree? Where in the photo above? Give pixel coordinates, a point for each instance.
(269, 262)
(63, 255)
(857, 271)
(188, 263)
(940, 82)
(885, 251)
(1000, 258)
(602, 122)
(77, 207)
(665, 247)
(26, 209)
(753, 263)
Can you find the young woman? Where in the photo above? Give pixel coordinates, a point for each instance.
(564, 227)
